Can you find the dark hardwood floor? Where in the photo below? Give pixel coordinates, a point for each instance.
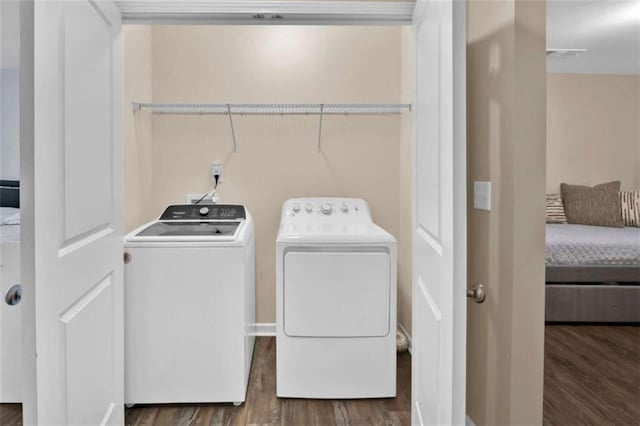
(10, 414)
(263, 407)
(592, 375)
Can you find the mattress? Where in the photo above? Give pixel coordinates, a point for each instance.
(591, 245)
(9, 224)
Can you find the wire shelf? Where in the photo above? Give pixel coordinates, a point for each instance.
(273, 109)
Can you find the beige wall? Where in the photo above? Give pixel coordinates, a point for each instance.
(277, 156)
(593, 131)
(137, 130)
(506, 145)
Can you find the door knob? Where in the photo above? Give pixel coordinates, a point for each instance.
(13, 295)
(477, 293)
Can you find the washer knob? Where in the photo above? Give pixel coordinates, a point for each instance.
(308, 207)
(344, 208)
(326, 208)
(296, 208)
(204, 211)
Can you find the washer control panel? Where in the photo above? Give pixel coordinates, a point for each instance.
(204, 212)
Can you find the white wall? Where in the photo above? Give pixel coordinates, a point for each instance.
(9, 90)
(9, 124)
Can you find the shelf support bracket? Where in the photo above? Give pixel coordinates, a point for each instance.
(320, 128)
(233, 130)
(136, 106)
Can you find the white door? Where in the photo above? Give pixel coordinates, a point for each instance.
(439, 214)
(72, 193)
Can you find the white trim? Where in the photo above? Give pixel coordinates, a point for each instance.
(406, 333)
(273, 12)
(261, 329)
(468, 421)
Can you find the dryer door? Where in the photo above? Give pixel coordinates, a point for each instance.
(336, 294)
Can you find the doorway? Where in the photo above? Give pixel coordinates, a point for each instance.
(448, 94)
(592, 337)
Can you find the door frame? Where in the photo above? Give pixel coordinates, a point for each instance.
(244, 12)
(211, 12)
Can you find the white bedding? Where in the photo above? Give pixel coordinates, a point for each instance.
(9, 224)
(592, 245)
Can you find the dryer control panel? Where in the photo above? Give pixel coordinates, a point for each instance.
(204, 212)
(327, 210)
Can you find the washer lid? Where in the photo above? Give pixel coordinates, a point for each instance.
(190, 228)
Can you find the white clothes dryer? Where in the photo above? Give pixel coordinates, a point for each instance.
(336, 301)
(189, 303)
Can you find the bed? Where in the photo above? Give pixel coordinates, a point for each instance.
(10, 321)
(592, 273)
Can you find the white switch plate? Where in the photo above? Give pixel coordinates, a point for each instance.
(482, 196)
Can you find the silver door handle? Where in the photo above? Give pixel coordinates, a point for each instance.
(477, 293)
(13, 295)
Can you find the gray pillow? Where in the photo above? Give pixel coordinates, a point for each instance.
(597, 206)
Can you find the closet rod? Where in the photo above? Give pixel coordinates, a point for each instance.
(272, 109)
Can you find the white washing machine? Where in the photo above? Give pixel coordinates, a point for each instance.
(189, 301)
(336, 301)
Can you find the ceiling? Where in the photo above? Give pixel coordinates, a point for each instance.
(608, 29)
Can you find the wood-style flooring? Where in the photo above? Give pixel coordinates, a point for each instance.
(10, 414)
(262, 407)
(592, 375)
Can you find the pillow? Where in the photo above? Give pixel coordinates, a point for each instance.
(597, 206)
(630, 205)
(555, 209)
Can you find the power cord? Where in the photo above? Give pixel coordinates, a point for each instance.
(210, 194)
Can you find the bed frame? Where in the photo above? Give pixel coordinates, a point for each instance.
(596, 293)
(9, 193)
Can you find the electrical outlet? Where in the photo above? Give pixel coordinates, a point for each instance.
(216, 169)
(193, 197)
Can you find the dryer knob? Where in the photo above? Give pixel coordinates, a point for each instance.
(308, 207)
(326, 208)
(345, 208)
(296, 208)
(204, 211)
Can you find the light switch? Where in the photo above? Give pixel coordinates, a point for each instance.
(482, 196)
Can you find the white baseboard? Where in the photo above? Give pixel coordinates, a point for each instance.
(406, 333)
(262, 329)
(469, 422)
(269, 329)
